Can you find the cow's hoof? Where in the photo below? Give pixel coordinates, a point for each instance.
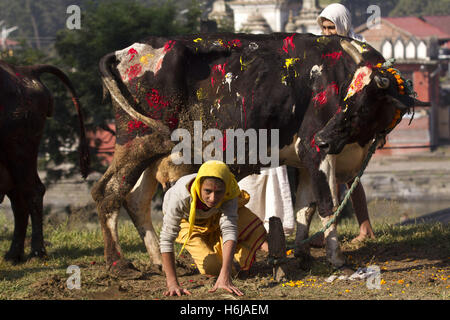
(304, 259)
(15, 257)
(345, 269)
(38, 253)
(336, 260)
(318, 241)
(302, 250)
(124, 269)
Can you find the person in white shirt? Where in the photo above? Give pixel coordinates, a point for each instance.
(336, 19)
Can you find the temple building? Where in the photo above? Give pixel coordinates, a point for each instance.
(265, 16)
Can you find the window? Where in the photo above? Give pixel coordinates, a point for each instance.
(422, 50)
(410, 50)
(386, 49)
(399, 49)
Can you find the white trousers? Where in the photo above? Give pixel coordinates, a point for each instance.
(270, 196)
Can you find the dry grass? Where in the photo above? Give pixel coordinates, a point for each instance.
(414, 262)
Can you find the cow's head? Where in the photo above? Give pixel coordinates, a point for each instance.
(373, 104)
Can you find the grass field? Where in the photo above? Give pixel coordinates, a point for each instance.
(414, 261)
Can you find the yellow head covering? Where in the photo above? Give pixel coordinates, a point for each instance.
(216, 169)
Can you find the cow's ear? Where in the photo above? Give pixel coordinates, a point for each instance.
(413, 102)
(406, 102)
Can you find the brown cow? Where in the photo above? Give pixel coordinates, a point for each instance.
(25, 103)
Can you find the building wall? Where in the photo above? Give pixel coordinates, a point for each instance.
(375, 37)
(275, 14)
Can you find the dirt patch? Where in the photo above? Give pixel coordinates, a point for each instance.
(407, 272)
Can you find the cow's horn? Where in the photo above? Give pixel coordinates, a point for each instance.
(116, 95)
(352, 51)
(382, 82)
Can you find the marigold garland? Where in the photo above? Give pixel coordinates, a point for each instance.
(395, 73)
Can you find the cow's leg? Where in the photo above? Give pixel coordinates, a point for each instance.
(6, 182)
(305, 207)
(26, 201)
(109, 201)
(328, 167)
(37, 206)
(323, 181)
(138, 206)
(108, 207)
(25, 204)
(111, 190)
(21, 214)
(334, 254)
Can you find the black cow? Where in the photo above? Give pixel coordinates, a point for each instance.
(25, 103)
(294, 83)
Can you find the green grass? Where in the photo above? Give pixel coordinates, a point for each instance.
(65, 246)
(416, 255)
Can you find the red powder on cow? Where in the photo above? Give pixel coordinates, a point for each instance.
(322, 97)
(288, 42)
(172, 122)
(155, 101)
(313, 144)
(231, 44)
(136, 125)
(332, 57)
(169, 45)
(224, 141)
(133, 53)
(133, 71)
(217, 68)
(245, 112)
(236, 43)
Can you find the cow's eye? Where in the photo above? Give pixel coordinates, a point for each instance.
(382, 82)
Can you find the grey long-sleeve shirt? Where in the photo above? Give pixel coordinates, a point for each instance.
(176, 205)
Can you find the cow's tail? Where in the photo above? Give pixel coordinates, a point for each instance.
(83, 145)
(110, 84)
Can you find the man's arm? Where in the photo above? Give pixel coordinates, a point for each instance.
(174, 288)
(224, 279)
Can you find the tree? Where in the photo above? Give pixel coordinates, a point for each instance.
(105, 27)
(38, 20)
(358, 9)
(421, 8)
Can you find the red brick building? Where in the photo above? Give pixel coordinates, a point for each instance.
(419, 45)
